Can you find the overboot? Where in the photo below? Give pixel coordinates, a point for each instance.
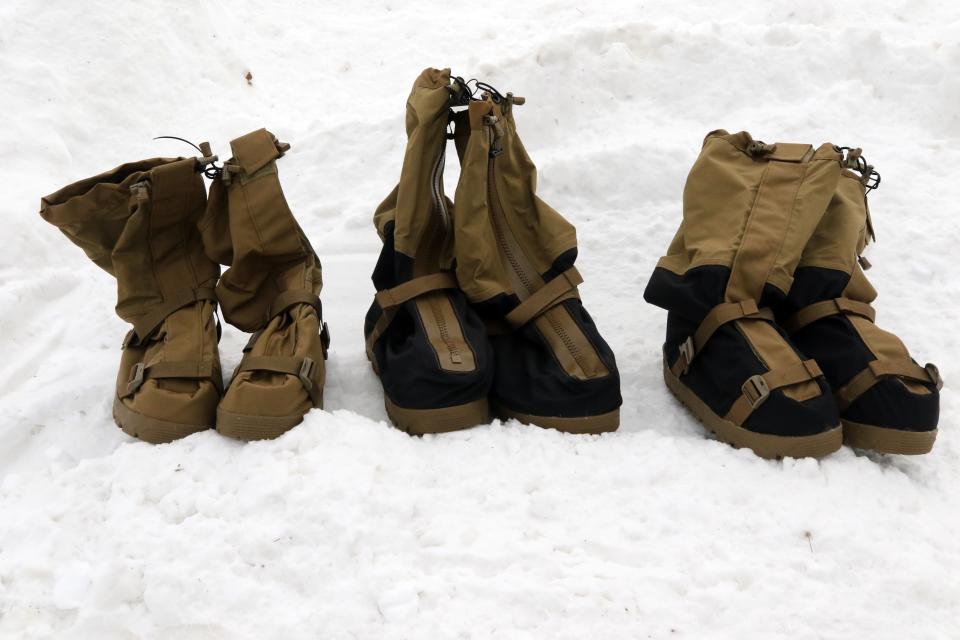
(138, 223)
(426, 344)
(270, 290)
(748, 211)
(515, 262)
(887, 402)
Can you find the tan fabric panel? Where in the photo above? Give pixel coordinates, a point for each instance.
(770, 347)
(93, 212)
(426, 123)
(885, 346)
(859, 288)
(480, 271)
(720, 196)
(765, 232)
(717, 197)
(444, 332)
(249, 226)
(568, 343)
(842, 231)
(507, 236)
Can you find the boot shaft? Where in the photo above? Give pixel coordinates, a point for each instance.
(416, 214)
(752, 208)
(249, 227)
(138, 223)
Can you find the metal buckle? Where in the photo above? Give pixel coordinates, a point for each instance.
(687, 351)
(136, 378)
(934, 374)
(755, 390)
(306, 373)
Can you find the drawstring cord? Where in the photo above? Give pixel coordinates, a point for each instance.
(207, 161)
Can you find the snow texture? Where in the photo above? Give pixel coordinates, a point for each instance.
(348, 528)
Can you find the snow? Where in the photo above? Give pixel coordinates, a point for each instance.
(347, 528)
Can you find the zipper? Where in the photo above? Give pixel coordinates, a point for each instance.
(439, 199)
(501, 229)
(440, 204)
(448, 342)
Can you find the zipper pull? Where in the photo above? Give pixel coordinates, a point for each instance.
(140, 191)
(864, 263)
(496, 126)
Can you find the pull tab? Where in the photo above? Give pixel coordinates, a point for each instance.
(140, 191)
(496, 126)
(864, 263)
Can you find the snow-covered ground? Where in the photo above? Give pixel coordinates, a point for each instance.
(347, 528)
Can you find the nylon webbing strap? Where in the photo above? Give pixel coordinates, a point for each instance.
(389, 299)
(756, 389)
(172, 369)
(818, 310)
(716, 318)
(289, 298)
(561, 288)
(255, 150)
(880, 369)
(303, 369)
(765, 230)
(147, 323)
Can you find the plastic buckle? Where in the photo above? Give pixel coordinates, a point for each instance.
(934, 374)
(136, 378)
(687, 351)
(756, 390)
(306, 373)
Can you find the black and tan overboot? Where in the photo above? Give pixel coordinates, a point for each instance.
(515, 262)
(426, 344)
(887, 402)
(749, 209)
(271, 290)
(138, 223)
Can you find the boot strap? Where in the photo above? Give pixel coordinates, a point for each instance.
(563, 287)
(148, 323)
(877, 370)
(818, 310)
(304, 369)
(390, 299)
(716, 318)
(172, 369)
(287, 299)
(757, 388)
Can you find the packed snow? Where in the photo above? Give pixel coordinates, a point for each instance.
(348, 528)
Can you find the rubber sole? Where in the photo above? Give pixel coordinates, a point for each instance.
(419, 422)
(763, 444)
(885, 440)
(152, 430)
(603, 423)
(251, 427)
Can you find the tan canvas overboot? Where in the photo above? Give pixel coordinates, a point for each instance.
(515, 262)
(271, 290)
(887, 402)
(424, 340)
(138, 223)
(749, 209)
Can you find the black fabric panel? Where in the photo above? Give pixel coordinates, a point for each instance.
(719, 371)
(529, 379)
(841, 353)
(409, 369)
